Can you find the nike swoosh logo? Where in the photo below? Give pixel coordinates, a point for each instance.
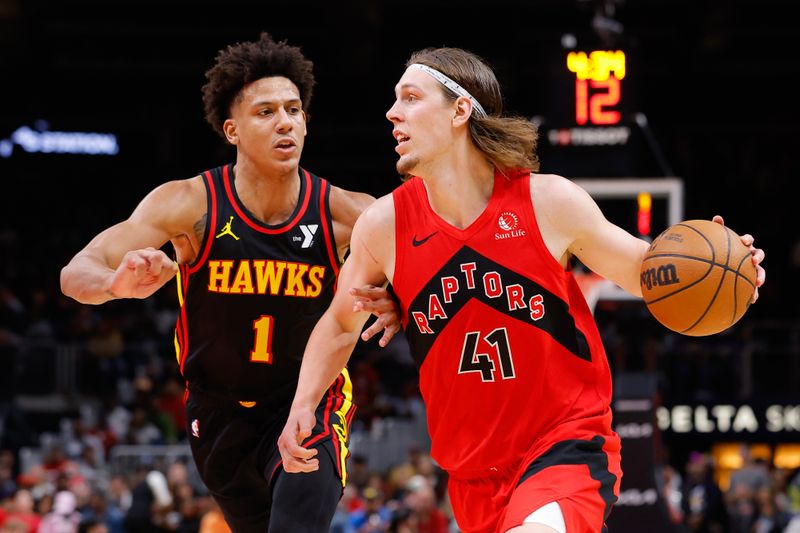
(415, 242)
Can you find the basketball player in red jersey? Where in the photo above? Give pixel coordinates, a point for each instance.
(258, 246)
(477, 248)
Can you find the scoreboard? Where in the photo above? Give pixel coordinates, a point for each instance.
(602, 71)
(589, 127)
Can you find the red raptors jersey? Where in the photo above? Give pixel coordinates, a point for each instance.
(509, 356)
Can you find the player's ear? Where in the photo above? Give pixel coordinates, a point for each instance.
(229, 128)
(305, 123)
(463, 111)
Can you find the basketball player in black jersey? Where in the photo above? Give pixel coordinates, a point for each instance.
(258, 247)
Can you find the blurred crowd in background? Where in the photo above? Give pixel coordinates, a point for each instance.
(59, 470)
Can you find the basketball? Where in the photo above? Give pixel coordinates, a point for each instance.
(697, 278)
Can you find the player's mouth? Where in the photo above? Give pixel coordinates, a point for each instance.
(401, 138)
(286, 146)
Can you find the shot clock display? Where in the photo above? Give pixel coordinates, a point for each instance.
(589, 127)
(598, 76)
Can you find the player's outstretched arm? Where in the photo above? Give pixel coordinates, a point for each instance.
(574, 225)
(124, 261)
(346, 207)
(336, 334)
(757, 254)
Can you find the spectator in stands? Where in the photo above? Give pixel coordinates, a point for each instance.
(7, 484)
(421, 499)
(348, 503)
(44, 504)
(672, 492)
(741, 509)
(357, 471)
(793, 491)
(170, 402)
(753, 474)
(403, 521)
(98, 511)
(22, 511)
(141, 429)
(375, 516)
(770, 518)
(703, 505)
(63, 518)
(119, 494)
(55, 462)
(151, 502)
(185, 514)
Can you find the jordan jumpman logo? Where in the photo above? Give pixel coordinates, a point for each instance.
(226, 230)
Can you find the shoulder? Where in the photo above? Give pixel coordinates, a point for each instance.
(346, 206)
(553, 187)
(375, 226)
(554, 196)
(176, 202)
(564, 212)
(379, 214)
(181, 191)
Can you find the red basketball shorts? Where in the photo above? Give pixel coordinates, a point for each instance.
(583, 476)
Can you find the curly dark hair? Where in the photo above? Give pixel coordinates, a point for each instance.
(241, 64)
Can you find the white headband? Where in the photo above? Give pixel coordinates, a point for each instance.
(452, 85)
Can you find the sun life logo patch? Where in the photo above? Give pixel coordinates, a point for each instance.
(508, 221)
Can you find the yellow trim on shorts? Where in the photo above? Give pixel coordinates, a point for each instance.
(341, 428)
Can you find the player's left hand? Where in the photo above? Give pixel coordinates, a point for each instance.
(298, 428)
(757, 254)
(379, 302)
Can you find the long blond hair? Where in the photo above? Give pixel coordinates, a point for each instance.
(508, 141)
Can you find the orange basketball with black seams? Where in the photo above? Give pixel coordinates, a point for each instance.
(698, 278)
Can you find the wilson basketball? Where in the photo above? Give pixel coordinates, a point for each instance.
(698, 278)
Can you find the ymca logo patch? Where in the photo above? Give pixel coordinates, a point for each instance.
(196, 428)
(309, 230)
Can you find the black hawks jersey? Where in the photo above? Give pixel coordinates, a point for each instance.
(254, 293)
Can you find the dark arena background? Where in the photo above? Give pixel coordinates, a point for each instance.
(100, 102)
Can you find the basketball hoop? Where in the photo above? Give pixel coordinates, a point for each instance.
(595, 288)
(591, 285)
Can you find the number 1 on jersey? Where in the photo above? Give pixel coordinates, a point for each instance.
(262, 346)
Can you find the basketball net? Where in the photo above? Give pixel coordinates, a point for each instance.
(591, 285)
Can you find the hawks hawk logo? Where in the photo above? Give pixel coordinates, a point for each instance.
(508, 221)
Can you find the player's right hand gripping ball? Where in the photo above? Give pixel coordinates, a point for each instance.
(698, 278)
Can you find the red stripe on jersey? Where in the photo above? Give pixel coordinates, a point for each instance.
(211, 228)
(226, 179)
(183, 331)
(328, 238)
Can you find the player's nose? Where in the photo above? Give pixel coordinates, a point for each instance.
(393, 114)
(284, 122)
